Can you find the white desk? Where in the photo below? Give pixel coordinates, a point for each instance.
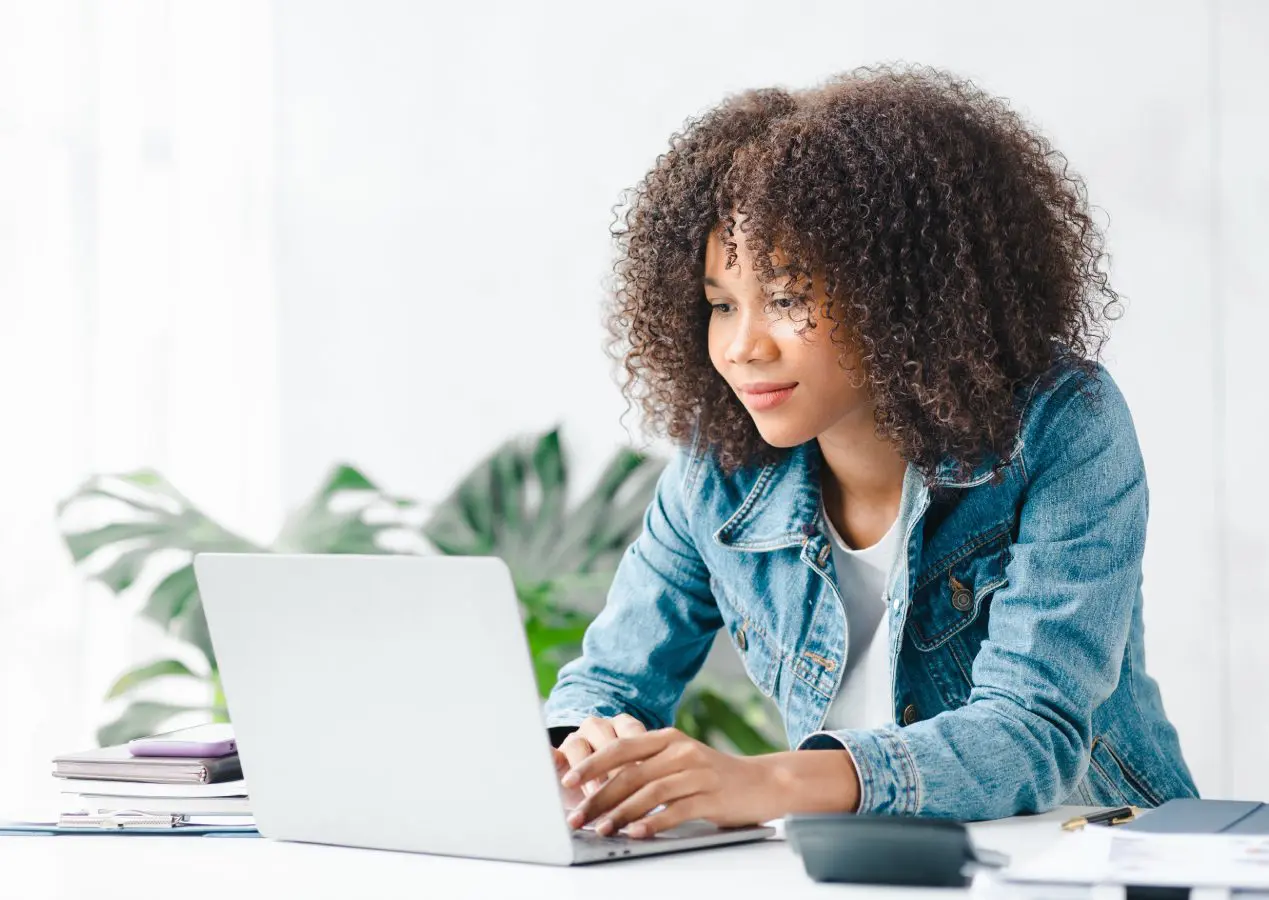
(197, 868)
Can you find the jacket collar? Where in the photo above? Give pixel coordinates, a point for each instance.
(782, 509)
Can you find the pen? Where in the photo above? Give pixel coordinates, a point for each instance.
(1107, 817)
(119, 820)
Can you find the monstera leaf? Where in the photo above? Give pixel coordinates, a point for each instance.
(348, 513)
(513, 505)
(152, 519)
(709, 716)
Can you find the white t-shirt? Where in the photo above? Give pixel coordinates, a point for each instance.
(863, 700)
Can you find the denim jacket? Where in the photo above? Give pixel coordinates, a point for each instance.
(1016, 659)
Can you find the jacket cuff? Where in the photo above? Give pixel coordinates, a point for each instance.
(557, 734)
(889, 783)
(571, 717)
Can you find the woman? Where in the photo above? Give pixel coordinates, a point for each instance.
(918, 507)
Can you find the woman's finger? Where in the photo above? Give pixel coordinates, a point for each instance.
(672, 787)
(627, 725)
(676, 812)
(622, 785)
(623, 752)
(599, 732)
(571, 797)
(561, 761)
(576, 748)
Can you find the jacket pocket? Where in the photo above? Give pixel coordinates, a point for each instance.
(761, 661)
(1117, 777)
(950, 595)
(756, 649)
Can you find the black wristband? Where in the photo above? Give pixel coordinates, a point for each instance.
(559, 732)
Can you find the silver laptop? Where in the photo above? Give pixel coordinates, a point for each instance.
(389, 702)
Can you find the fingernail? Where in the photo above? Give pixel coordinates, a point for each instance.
(575, 818)
(637, 831)
(570, 779)
(604, 826)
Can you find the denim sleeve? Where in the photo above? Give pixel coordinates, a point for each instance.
(657, 624)
(1056, 635)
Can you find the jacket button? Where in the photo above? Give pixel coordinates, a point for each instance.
(962, 599)
(910, 714)
(825, 552)
(741, 641)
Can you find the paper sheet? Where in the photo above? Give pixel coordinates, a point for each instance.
(1108, 856)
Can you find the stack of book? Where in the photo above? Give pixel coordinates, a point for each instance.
(110, 781)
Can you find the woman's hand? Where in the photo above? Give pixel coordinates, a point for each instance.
(693, 781)
(591, 736)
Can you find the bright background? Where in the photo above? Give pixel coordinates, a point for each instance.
(242, 240)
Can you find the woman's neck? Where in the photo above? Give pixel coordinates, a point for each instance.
(862, 483)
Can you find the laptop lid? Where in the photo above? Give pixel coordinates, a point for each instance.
(385, 701)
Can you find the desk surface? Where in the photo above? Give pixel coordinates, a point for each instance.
(194, 868)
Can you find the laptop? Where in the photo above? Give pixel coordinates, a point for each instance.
(389, 702)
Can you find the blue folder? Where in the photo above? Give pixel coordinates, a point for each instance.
(48, 828)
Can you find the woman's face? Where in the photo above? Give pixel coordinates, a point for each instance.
(792, 384)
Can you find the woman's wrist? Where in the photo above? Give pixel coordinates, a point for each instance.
(805, 781)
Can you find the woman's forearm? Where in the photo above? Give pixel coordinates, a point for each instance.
(810, 781)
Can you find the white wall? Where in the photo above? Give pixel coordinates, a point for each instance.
(1241, 284)
(137, 329)
(446, 176)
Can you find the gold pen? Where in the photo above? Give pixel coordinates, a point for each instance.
(1106, 817)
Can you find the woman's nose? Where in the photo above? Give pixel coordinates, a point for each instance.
(751, 342)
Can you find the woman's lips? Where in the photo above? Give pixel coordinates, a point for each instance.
(763, 396)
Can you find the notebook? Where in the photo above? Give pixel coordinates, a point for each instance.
(118, 788)
(1189, 815)
(186, 806)
(117, 764)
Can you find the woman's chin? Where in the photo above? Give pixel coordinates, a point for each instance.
(783, 435)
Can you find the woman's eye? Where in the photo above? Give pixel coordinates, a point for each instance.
(786, 303)
(720, 307)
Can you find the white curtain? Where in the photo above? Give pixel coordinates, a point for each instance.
(137, 321)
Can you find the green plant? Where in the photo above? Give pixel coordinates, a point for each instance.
(511, 505)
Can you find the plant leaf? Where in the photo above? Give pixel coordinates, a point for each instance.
(84, 544)
(624, 518)
(140, 675)
(476, 497)
(90, 489)
(546, 672)
(583, 536)
(508, 474)
(462, 523)
(191, 627)
(120, 575)
(171, 597)
(705, 715)
(171, 521)
(321, 525)
(346, 478)
(488, 513)
(552, 478)
(140, 719)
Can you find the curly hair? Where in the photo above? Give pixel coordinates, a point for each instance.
(954, 245)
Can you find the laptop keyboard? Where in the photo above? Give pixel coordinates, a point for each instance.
(589, 837)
